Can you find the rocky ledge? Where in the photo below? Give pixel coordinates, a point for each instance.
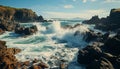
(9, 61)
(105, 55)
(19, 14)
(16, 28)
(110, 23)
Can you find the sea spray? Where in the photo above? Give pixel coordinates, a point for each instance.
(45, 45)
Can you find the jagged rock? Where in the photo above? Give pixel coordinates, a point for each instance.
(35, 61)
(26, 63)
(88, 54)
(93, 20)
(112, 45)
(111, 22)
(100, 64)
(43, 65)
(35, 67)
(7, 58)
(26, 31)
(13, 50)
(19, 14)
(92, 36)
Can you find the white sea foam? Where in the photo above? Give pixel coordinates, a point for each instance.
(45, 43)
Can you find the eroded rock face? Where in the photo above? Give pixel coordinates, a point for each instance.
(92, 36)
(111, 22)
(7, 58)
(18, 14)
(88, 54)
(102, 63)
(109, 52)
(112, 45)
(26, 31)
(93, 20)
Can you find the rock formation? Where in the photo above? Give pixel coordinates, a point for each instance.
(97, 56)
(26, 31)
(110, 23)
(9, 61)
(19, 14)
(7, 58)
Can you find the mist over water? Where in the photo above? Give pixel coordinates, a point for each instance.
(50, 44)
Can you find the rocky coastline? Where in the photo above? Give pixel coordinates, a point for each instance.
(104, 53)
(10, 19)
(110, 23)
(9, 61)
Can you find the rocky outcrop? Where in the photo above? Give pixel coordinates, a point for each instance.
(92, 36)
(26, 31)
(102, 63)
(7, 25)
(89, 54)
(112, 22)
(93, 20)
(9, 61)
(19, 14)
(7, 58)
(112, 45)
(101, 56)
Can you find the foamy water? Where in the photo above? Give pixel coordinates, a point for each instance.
(50, 44)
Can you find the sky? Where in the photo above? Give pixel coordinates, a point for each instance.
(66, 8)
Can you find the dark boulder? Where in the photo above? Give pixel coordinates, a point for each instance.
(93, 20)
(112, 45)
(1, 31)
(26, 31)
(88, 54)
(92, 36)
(100, 64)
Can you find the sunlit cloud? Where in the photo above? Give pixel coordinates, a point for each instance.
(68, 6)
(84, 1)
(86, 14)
(111, 1)
(93, 0)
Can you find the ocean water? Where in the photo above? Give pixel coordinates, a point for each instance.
(51, 43)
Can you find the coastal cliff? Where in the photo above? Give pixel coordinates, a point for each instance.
(19, 14)
(110, 23)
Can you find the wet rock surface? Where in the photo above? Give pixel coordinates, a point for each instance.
(7, 58)
(26, 31)
(9, 61)
(104, 56)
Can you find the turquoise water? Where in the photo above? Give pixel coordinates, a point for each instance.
(51, 40)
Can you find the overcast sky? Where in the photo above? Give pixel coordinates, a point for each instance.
(66, 8)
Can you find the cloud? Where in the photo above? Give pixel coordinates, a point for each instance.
(86, 14)
(84, 1)
(68, 6)
(93, 0)
(111, 1)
